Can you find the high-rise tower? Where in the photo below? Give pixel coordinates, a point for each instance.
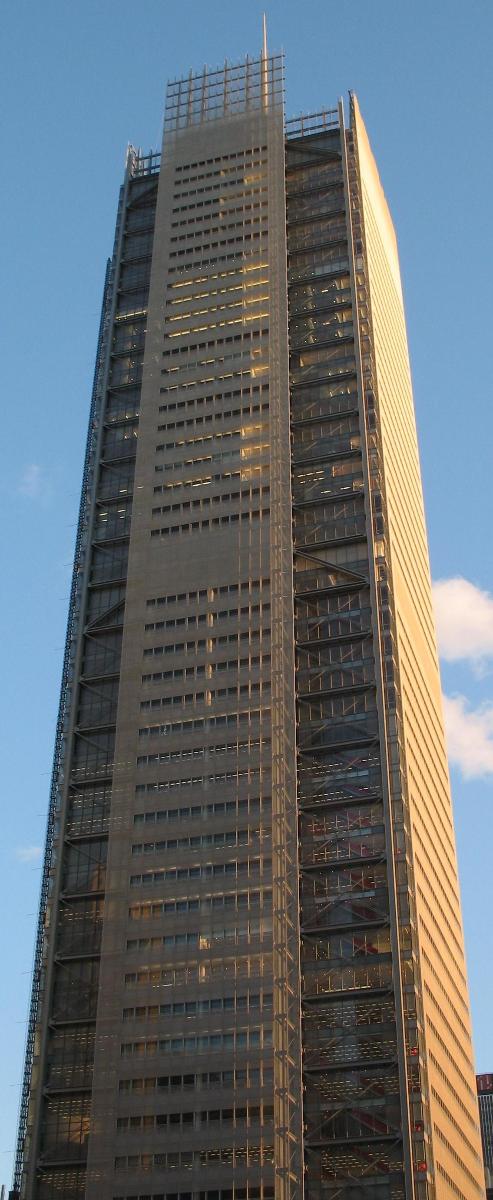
(250, 974)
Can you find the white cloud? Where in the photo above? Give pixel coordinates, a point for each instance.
(28, 854)
(464, 616)
(31, 482)
(469, 736)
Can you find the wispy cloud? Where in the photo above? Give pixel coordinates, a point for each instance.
(28, 854)
(464, 616)
(469, 736)
(31, 482)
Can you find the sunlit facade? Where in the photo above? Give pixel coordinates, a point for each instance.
(250, 976)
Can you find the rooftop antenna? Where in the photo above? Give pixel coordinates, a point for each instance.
(264, 36)
(263, 62)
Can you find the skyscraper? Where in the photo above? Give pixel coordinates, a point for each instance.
(485, 1098)
(250, 974)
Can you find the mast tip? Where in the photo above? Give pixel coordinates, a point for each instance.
(264, 36)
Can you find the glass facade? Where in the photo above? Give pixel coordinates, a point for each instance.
(485, 1099)
(249, 981)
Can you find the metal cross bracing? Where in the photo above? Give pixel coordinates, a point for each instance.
(378, 1162)
(62, 719)
(90, 670)
(328, 854)
(344, 896)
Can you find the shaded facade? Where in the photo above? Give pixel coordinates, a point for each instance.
(250, 975)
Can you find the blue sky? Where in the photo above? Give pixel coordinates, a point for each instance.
(80, 80)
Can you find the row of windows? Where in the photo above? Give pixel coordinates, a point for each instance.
(237, 242)
(210, 645)
(253, 804)
(220, 211)
(210, 593)
(212, 321)
(208, 230)
(243, 155)
(184, 423)
(243, 174)
(246, 1003)
(245, 1077)
(196, 619)
(236, 747)
(148, 910)
(226, 664)
(250, 867)
(193, 526)
(234, 261)
(153, 909)
(210, 290)
(217, 297)
(251, 966)
(237, 273)
(228, 777)
(242, 189)
(233, 837)
(250, 1192)
(206, 501)
(250, 1114)
(217, 316)
(239, 1039)
(247, 335)
(206, 481)
(244, 375)
(166, 785)
(244, 689)
(252, 1001)
(230, 719)
(237, 1156)
(214, 399)
(215, 361)
(215, 307)
(240, 453)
